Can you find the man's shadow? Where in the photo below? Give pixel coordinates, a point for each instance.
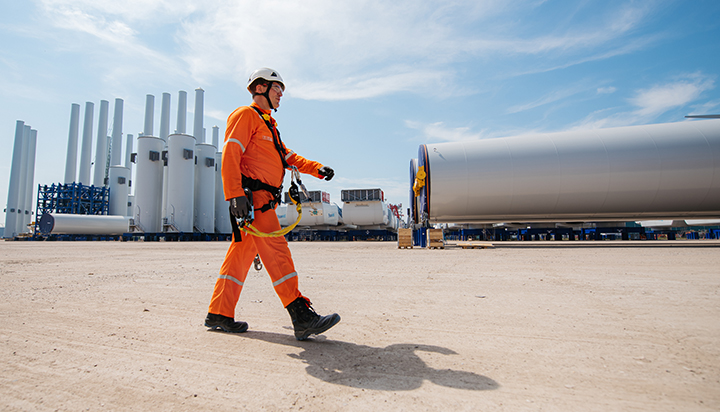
(393, 368)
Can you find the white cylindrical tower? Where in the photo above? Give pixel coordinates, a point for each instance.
(128, 150)
(165, 117)
(163, 212)
(11, 210)
(182, 112)
(119, 178)
(128, 163)
(30, 182)
(148, 184)
(130, 204)
(86, 148)
(658, 171)
(116, 153)
(222, 211)
(216, 136)
(22, 188)
(199, 114)
(101, 149)
(204, 202)
(181, 182)
(71, 158)
(149, 115)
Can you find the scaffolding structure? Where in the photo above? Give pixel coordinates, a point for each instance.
(71, 198)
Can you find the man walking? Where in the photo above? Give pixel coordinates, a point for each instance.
(255, 158)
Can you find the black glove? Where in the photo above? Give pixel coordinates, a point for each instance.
(327, 172)
(240, 207)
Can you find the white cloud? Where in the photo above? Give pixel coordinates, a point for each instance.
(110, 34)
(438, 131)
(606, 90)
(661, 98)
(551, 97)
(648, 104)
(154, 11)
(369, 85)
(601, 31)
(711, 107)
(355, 49)
(329, 50)
(347, 50)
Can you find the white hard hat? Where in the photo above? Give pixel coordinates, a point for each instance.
(267, 74)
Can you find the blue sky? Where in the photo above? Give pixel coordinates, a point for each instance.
(367, 81)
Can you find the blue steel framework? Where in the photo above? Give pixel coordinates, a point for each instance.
(71, 198)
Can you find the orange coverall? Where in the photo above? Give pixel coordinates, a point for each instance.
(249, 150)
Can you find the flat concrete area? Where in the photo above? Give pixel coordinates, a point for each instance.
(596, 326)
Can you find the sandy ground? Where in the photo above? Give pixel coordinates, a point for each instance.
(544, 326)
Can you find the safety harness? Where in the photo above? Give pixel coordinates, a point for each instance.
(246, 225)
(276, 137)
(253, 185)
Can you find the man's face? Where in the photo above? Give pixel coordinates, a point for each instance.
(276, 93)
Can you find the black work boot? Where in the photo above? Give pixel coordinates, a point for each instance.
(306, 322)
(225, 323)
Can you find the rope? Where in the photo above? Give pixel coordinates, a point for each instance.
(250, 229)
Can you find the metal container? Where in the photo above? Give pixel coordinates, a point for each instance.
(148, 184)
(323, 214)
(222, 206)
(181, 182)
(204, 212)
(59, 223)
(119, 179)
(282, 214)
(365, 213)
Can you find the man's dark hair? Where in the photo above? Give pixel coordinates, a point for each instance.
(257, 82)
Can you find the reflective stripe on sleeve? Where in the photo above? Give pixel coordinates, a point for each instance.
(284, 278)
(236, 141)
(289, 154)
(228, 277)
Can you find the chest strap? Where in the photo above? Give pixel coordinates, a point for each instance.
(276, 138)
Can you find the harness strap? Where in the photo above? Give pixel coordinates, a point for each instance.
(248, 228)
(276, 138)
(255, 184)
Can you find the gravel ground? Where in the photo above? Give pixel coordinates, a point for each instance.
(552, 326)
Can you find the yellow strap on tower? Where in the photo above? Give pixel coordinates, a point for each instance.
(419, 180)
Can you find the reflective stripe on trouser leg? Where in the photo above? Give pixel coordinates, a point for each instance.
(275, 253)
(233, 273)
